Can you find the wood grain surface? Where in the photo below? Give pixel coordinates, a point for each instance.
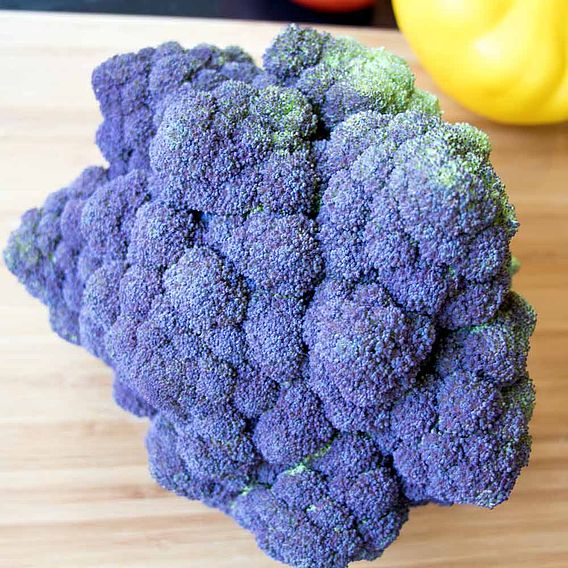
(74, 488)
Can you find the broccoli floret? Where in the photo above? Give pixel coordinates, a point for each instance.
(340, 77)
(235, 149)
(278, 253)
(132, 88)
(301, 276)
(462, 436)
(414, 203)
(203, 292)
(273, 328)
(130, 401)
(171, 472)
(345, 504)
(48, 254)
(100, 307)
(295, 427)
(159, 236)
(364, 351)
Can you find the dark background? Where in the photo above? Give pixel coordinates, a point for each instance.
(279, 10)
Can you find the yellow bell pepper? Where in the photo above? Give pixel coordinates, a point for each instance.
(504, 59)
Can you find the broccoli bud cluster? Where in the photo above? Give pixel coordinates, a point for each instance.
(301, 275)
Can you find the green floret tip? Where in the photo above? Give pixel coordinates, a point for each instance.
(423, 101)
(297, 469)
(515, 265)
(378, 74)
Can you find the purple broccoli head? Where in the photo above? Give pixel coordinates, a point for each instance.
(301, 275)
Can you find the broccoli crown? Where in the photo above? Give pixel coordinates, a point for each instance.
(301, 275)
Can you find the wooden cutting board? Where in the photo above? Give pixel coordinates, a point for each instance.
(74, 488)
